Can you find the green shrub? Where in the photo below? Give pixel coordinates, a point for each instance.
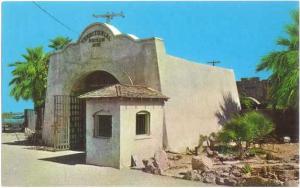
(247, 103)
(226, 150)
(256, 151)
(248, 128)
(247, 169)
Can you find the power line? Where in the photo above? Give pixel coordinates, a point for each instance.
(53, 17)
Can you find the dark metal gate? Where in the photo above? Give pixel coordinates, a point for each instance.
(77, 123)
(69, 122)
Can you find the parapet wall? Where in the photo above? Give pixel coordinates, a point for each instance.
(197, 94)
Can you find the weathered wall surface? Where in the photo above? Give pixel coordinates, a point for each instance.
(196, 93)
(103, 151)
(142, 146)
(117, 150)
(128, 59)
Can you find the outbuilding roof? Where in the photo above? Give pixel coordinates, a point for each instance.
(125, 91)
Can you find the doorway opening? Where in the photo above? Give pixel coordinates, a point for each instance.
(70, 112)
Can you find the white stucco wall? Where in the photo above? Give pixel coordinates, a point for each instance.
(196, 92)
(142, 146)
(117, 150)
(103, 151)
(128, 59)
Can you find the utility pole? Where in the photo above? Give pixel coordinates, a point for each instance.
(109, 16)
(213, 62)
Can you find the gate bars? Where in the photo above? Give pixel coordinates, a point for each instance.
(69, 122)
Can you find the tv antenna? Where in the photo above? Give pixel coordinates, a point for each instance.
(213, 62)
(109, 16)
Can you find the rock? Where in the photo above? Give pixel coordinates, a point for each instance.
(209, 152)
(259, 181)
(230, 182)
(224, 174)
(236, 173)
(192, 175)
(275, 182)
(231, 162)
(285, 175)
(226, 158)
(271, 156)
(209, 180)
(291, 183)
(136, 162)
(272, 162)
(209, 177)
(220, 181)
(161, 160)
(295, 159)
(157, 171)
(201, 163)
(216, 153)
(175, 157)
(149, 168)
(286, 139)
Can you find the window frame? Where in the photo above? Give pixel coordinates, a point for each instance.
(96, 125)
(147, 128)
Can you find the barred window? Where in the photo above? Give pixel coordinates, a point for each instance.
(103, 126)
(142, 123)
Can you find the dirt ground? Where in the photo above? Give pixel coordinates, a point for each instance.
(284, 151)
(23, 166)
(181, 163)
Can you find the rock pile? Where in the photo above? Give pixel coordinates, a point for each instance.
(207, 174)
(224, 169)
(233, 175)
(158, 164)
(201, 163)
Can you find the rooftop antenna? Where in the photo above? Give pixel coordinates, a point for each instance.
(213, 62)
(109, 16)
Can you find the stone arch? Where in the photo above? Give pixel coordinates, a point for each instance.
(254, 100)
(121, 76)
(92, 81)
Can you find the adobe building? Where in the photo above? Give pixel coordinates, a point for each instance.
(121, 121)
(104, 59)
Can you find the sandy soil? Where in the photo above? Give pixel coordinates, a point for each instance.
(284, 151)
(22, 166)
(287, 152)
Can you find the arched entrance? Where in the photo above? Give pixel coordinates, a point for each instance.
(92, 81)
(69, 111)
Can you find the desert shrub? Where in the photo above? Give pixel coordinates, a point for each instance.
(256, 151)
(225, 149)
(247, 169)
(247, 103)
(249, 128)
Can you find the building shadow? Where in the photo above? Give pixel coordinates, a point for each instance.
(72, 159)
(18, 143)
(228, 109)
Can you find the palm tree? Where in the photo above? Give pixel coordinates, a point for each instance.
(59, 42)
(284, 67)
(30, 79)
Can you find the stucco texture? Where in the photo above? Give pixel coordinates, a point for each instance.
(196, 91)
(116, 151)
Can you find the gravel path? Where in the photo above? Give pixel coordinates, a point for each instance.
(22, 166)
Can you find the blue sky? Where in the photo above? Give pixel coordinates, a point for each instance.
(236, 33)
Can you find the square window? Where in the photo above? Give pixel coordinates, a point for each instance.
(142, 123)
(103, 126)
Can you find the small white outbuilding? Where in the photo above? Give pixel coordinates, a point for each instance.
(121, 121)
